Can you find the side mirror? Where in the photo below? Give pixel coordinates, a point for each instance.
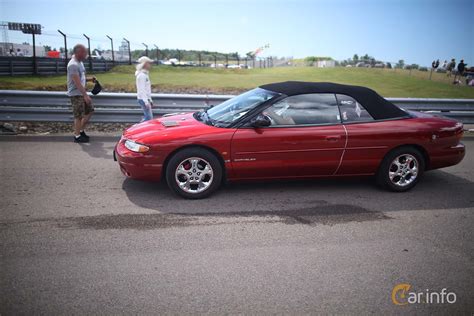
(261, 120)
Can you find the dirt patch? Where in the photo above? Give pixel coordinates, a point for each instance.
(325, 215)
(62, 127)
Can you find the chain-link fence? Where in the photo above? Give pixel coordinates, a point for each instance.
(52, 49)
(49, 52)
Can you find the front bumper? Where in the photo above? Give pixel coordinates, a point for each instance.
(137, 165)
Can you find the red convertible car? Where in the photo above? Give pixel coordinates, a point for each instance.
(290, 130)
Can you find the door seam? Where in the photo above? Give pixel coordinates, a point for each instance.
(343, 152)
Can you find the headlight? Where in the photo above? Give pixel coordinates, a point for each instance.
(136, 147)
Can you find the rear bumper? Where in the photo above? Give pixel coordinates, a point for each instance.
(448, 157)
(137, 165)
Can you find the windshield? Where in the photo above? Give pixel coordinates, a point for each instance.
(231, 110)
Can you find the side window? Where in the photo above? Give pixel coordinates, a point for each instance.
(351, 110)
(304, 109)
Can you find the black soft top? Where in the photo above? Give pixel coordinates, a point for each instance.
(377, 106)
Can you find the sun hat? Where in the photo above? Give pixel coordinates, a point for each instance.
(141, 62)
(144, 59)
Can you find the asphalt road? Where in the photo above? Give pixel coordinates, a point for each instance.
(78, 238)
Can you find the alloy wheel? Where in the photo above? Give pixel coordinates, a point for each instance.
(194, 175)
(403, 170)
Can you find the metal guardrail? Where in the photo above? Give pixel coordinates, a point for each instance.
(45, 106)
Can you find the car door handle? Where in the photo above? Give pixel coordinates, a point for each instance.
(333, 138)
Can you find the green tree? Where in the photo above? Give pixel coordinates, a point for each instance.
(355, 58)
(400, 64)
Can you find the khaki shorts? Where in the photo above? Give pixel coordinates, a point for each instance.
(80, 107)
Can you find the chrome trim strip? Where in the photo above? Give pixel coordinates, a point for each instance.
(285, 151)
(370, 147)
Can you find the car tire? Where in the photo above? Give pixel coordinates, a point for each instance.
(194, 173)
(401, 169)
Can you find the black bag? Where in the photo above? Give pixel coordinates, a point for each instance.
(97, 88)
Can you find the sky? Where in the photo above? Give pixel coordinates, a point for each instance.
(417, 31)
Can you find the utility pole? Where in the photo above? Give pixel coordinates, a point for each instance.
(112, 45)
(146, 49)
(35, 64)
(65, 44)
(129, 52)
(89, 51)
(157, 52)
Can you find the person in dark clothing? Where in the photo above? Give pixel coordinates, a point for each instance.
(461, 67)
(451, 67)
(460, 72)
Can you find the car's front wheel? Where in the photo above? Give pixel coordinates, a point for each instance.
(401, 169)
(194, 173)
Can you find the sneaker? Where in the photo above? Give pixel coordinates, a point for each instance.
(83, 134)
(81, 139)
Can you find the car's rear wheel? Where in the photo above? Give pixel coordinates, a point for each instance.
(401, 169)
(194, 173)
